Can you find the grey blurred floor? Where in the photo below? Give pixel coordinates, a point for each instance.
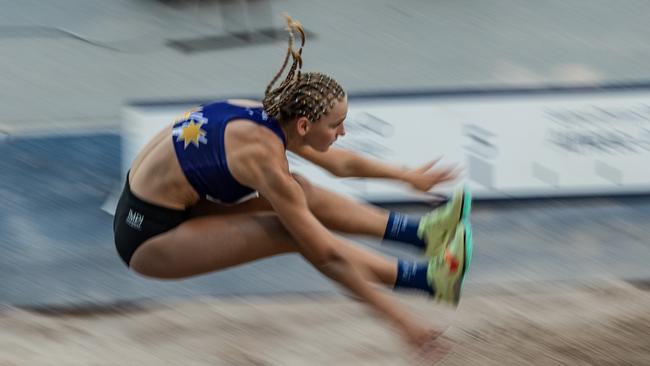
(57, 249)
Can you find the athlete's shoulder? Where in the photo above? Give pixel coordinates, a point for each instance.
(232, 104)
(244, 103)
(253, 152)
(251, 133)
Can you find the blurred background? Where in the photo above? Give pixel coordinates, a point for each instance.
(71, 67)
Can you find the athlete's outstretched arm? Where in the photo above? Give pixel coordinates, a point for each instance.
(346, 163)
(269, 174)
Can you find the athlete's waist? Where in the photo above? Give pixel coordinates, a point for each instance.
(171, 196)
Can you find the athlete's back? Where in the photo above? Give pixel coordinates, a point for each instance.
(157, 176)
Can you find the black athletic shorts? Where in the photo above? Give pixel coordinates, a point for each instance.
(136, 221)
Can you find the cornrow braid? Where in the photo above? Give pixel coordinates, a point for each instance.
(311, 95)
(314, 95)
(273, 97)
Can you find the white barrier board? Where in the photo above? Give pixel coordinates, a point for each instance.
(511, 146)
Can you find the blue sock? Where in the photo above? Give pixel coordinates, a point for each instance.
(403, 228)
(413, 275)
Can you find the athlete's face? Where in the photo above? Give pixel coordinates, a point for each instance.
(324, 132)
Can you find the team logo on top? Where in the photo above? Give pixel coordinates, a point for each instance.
(190, 131)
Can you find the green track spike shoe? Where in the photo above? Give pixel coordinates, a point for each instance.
(446, 272)
(437, 227)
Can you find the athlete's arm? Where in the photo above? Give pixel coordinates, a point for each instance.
(346, 163)
(269, 174)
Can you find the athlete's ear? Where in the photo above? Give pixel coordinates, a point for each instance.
(302, 125)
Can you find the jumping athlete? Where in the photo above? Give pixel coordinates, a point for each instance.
(213, 190)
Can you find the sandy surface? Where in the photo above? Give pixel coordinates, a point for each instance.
(607, 324)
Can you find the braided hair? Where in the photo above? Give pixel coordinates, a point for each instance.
(310, 95)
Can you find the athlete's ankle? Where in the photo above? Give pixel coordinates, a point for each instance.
(413, 275)
(403, 228)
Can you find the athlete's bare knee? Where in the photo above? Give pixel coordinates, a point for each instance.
(304, 182)
(308, 188)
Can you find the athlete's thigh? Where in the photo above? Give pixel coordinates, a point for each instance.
(258, 204)
(209, 243)
(205, 207)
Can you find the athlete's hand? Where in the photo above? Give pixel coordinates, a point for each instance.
(426, 341)
(417, 334)
(425, 177)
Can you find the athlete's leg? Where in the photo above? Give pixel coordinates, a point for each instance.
(345, 215)
(205, 207)
(434, 231)
(210, 243)
(335, 211)
(394, 273)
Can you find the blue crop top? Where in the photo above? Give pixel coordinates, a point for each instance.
(199, 143)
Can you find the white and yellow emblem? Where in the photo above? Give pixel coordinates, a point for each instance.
(190, 131)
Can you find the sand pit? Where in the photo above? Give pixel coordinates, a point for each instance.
(604, 325)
